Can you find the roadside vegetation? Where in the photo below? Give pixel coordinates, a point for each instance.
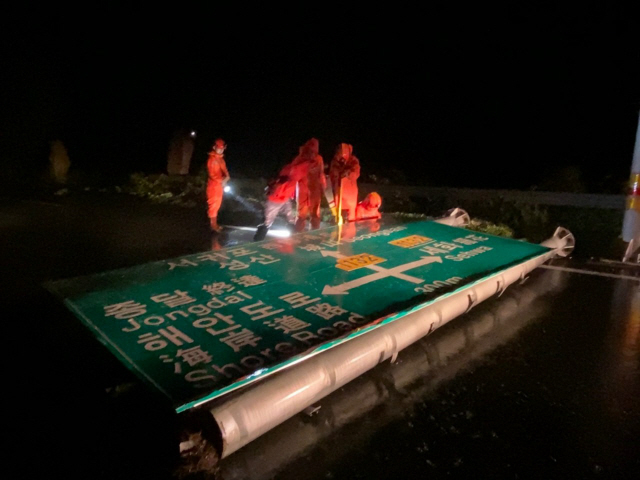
(597, 231)
(189, 191)
(496, 217)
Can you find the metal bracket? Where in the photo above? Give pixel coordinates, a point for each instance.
(394, 357)
(473, 299)
(633, 249)
(501, 285)
(311, 410)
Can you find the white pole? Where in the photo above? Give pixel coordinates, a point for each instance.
(421, 369)
(246, 415)
(631, 223)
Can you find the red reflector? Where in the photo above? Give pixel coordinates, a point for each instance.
(634, 185)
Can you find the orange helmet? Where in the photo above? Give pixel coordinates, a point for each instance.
(313, 145)
(219, 146)
(344, 150)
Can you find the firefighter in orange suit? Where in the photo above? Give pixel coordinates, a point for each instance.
(368, 208)
(218, 176)
(311, 187)
(344, 171)
(281, 195)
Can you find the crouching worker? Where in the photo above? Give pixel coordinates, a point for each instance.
(368, 208)
(281, 194)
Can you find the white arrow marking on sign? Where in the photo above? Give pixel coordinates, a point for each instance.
(344, 288)
(377, 268)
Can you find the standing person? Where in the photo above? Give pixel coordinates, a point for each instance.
(344, 171)
(281, 194)
(59, 160)
(311, 187)
(218, 176)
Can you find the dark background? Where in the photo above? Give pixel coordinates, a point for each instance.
(491, 96)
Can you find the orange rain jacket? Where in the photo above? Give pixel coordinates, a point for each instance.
(311, 187)
(284, 188)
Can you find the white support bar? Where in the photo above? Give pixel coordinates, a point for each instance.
(248, 414)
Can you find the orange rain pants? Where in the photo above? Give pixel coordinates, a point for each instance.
(344, 171)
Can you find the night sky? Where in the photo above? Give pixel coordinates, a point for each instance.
(440, 94)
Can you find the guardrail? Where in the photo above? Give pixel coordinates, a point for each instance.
(451, 195)
(613, 202)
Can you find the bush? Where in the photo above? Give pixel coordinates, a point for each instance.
(495, 215)
(595, 230)
(485, 226)
(477, 225)
(526, 221)
(183, 190)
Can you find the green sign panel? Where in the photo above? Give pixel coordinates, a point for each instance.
(198, 326)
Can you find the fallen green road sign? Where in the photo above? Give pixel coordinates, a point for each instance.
(201, 325)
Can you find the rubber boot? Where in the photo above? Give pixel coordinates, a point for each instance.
(215, 241)
(214, 224)
(261, 233)
(301, 225)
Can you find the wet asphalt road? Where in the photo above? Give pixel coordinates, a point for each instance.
(541, 383)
